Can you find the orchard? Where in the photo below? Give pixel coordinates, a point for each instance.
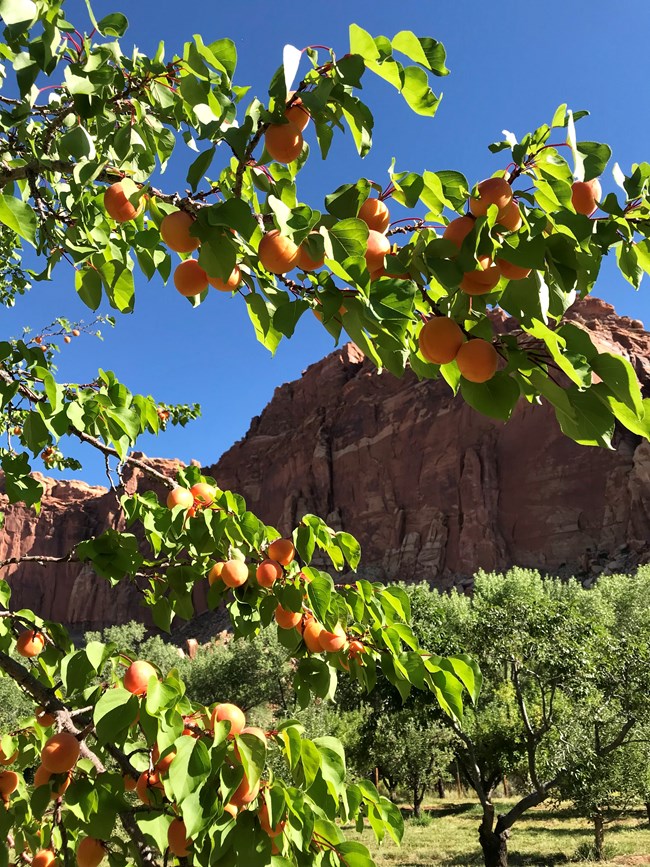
(116, 765)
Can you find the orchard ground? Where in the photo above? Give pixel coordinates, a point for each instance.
(547, 835)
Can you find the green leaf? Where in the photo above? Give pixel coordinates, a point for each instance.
(113, 714)
(119, 286)
(190, 767)
(19, 217)
(495, 398)
(347, 239)
(350, 547)
(258, 312)
(417, 93)
(199, 167)
(35, 432)
(20, 486)
(77, 143)
(592, 159)
(88, 283)
(423, 50)
(467, 671)
(17, 11)
(114, 24)
(618, 375)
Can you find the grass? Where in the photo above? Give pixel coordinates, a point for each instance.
(543, 837)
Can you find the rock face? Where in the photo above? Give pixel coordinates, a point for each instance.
(432, 490)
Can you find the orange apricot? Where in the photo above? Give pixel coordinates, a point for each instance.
(161, 765)
(8, 783)
(180, 497)
(268, 572)
(477, 360)
(287, 619)
(510, 217)
(117, 204)
(228, 285)
(60, 753)
(44, 858)
(483, 279)
(190, 279)
(30, 643)
(244, 794)
(214, 574)
(277, 253)
(129, 783)
(177, 839)
(42, 777)
(175, 231)
(305, 261)
(491, 191)
(458, 230)
(283, 142)
(148, 782)
(90, 852)
(234, 573)
(297, 113)
(282, 551)
(356, 648)
(311, 635)
(227, 712)
(377, 250)
(333, 641)
(265, 822)
(375, 215)
(510, 271)
(585, 196)
(440, 339)
(256, 731)
(204, 494)
(137, 676)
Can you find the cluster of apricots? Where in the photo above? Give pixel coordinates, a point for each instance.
(149, 786)
(441, 341)
(284, 141)
(199, 496)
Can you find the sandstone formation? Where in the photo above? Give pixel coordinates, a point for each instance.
(432, 489)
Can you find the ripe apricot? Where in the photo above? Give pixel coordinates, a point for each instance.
(305, 261)
(190, 279)
(483, 280)
(375, 215)
(76, 332)
(234, 573)
(204, 494)
(265, 822)
(287, 619)
(458, 230)
(585, 196)
(129, 783)
(180, 497)
(510, 271)
(311, 635)
(244, 794)
(510, 217)
(256, 731)
(175, 231)
(228, 285)
(117, 204)
(282, 551)
(148, 783)
(440, 339)
(42, 777)
(477, 360)
(297, 113)
(67, 339)
(283, 142)
(491, 191)
(232, 714)
(137, 676)
(60, 753)
(268, 572)
(214, 574)
(30, 643)
(8, 783)
(162, 765)
(377, 250)
(333, 641)
(90, 852)
(277, 253)
(177, 839)
(44, 858)
(356, 648)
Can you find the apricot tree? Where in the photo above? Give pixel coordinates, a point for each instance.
(85, 130)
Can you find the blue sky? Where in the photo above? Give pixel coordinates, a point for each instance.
(511, 65)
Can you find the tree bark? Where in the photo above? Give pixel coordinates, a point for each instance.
(599, 836)
(459, 785)
(495, 846)
(647, 809)
(506, 787)
(441, 788)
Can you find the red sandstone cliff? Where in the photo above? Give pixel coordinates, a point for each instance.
(432, 490)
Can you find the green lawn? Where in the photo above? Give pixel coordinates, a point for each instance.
(542, 838)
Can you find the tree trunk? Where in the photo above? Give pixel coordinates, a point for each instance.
(441, 788)
(417, 797)
(506, 787)
(599, 836)
(495, 848)
(459, 787)
(647, 809)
